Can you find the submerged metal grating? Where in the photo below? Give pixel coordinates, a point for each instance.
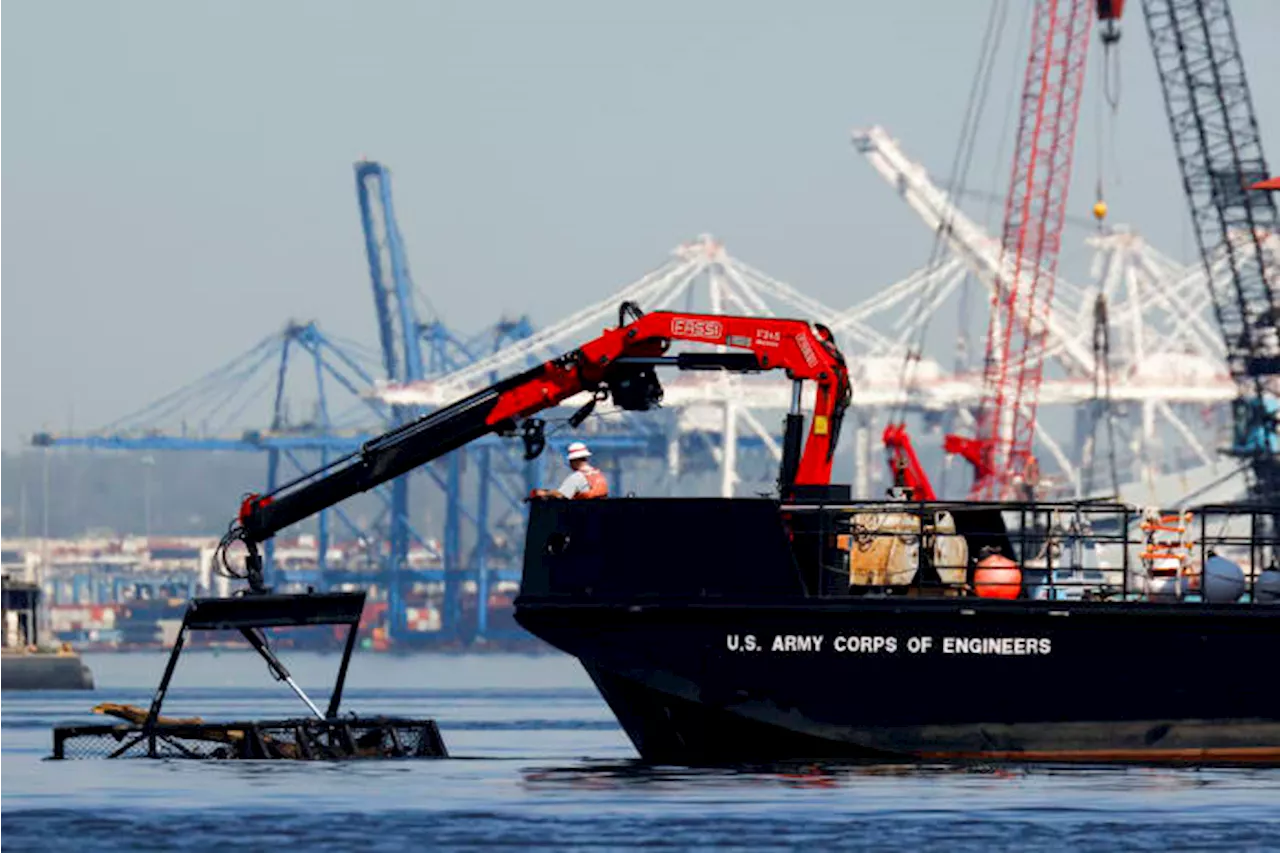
(336, 739)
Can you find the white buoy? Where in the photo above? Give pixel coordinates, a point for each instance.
(1266, 589)
(1223, 581)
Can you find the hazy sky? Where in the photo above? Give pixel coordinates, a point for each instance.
(177, 177)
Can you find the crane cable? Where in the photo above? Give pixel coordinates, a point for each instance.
(1105, 126)
(978, 90)
(1103, 406)
(1105, 122)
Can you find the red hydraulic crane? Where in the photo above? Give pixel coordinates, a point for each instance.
(1001, 449)
(620, 364)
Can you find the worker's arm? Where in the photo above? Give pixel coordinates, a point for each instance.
(546, 493)
(574, 483)
(555, 494)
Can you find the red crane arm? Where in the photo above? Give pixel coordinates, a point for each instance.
(619, 363)
(905, 464)
(804, 351)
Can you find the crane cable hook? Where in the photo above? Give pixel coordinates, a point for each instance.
(1110, 86)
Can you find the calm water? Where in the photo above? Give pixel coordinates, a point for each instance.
(538, 761)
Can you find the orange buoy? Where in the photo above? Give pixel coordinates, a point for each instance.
(997, 577)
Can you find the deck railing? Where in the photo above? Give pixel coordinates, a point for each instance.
(1069, 550)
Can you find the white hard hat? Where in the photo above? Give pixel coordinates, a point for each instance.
(578, 450)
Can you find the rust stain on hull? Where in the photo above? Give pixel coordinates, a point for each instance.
(1255, 755)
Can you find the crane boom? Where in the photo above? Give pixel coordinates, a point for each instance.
(967, 240)
(1219, 150)
(1035, 209)
(619, 364)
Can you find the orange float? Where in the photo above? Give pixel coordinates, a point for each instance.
(996, 576)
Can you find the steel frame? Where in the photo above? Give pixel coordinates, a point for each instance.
(1219, 152)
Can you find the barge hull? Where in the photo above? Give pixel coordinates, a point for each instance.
(932, 680)
(719, 634)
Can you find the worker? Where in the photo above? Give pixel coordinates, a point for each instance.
(1029, 480)
(584, 482)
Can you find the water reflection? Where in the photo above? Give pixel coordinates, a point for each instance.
(609, 774)
(614, 775)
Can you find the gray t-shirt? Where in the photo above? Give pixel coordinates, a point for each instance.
(575, 484)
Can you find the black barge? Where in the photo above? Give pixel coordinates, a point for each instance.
(739, 631)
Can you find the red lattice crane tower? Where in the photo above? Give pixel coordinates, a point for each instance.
(1001, 450)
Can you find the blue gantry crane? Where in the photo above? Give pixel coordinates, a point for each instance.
(335, 378)
(398, 330)
(207, 409)
(412, 350)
